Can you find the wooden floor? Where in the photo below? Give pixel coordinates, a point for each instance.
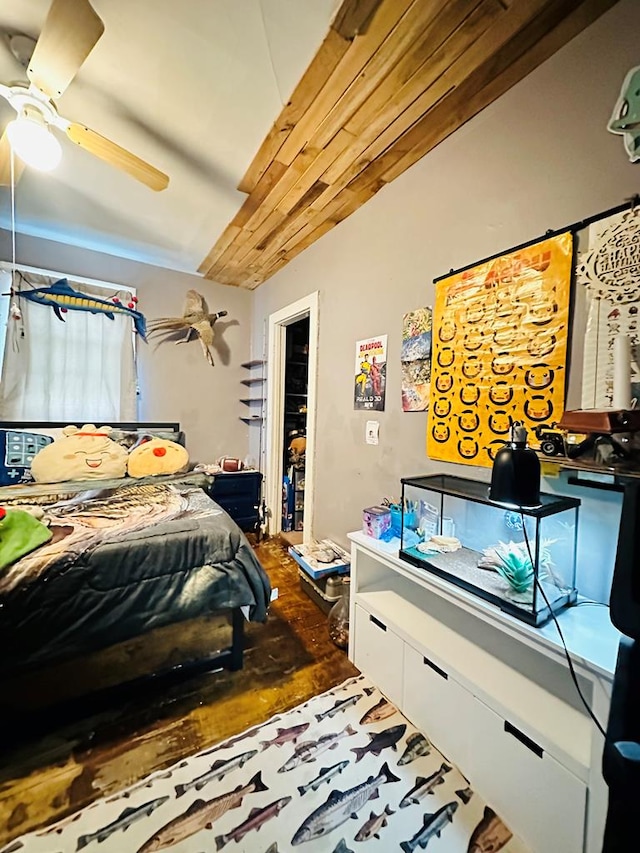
(287, 660)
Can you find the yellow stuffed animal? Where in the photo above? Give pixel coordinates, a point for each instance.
(157, 456)
(85, 453)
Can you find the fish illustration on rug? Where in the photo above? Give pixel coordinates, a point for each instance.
(380, 711)
(382, 740)
(433, 825)
(218, 771)
(340, 705)
(490, 835)
(272, 848)
(465, 794)
(417, 745)
(234, 740)
(200, 815)
(122, 822)
(325, 775)
(256, 819)
(62, 298)
(424, 786)
(340, 806)
(369, 690)
(372, 827)
(285, 736)
(341, 847)
(309, 750)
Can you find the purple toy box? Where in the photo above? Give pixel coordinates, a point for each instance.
(375, 520)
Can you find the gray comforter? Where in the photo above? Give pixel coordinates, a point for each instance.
(123, 560)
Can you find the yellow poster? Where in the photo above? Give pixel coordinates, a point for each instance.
(499, 350)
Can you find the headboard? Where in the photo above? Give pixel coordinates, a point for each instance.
(21, 440)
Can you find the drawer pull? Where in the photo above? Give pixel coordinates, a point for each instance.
(435, 668)
(377, 622)
(521, 736)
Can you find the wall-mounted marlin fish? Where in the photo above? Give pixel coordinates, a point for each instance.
(62, 298)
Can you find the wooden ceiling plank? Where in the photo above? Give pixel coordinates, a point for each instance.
(288, 180)
(271, 221)
(226, 238)
(522, 54)
(468, 58)
(425, 24)
(308, 218)
(353, 17)
(269, 179)
(352, 63)
(373, 126)
(319, 166)
(314, 78)
(422, 67)
(410, 111)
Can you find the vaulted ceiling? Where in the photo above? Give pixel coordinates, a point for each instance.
(202, 90)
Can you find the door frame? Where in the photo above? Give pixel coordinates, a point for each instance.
(277, 339)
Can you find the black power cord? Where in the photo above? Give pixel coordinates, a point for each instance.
(564, 645)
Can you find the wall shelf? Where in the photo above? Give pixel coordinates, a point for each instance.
(256, 362)
(251, 419)
(590, 467)
(256, 380)
(249, 400)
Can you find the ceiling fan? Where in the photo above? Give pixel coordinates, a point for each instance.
(69, 34)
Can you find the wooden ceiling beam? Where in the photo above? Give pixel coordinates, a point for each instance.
(388, 96)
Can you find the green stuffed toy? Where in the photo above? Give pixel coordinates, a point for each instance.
(20, 533)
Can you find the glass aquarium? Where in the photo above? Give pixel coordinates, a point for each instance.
(523, 561)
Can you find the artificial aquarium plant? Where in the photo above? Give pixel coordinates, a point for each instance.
(512, 562)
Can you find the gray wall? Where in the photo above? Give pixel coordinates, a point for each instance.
(176, 383)
(539, 158)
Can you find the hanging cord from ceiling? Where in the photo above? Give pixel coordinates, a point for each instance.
(273, 67)
(14, 313)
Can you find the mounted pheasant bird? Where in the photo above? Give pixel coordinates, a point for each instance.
(195, 321)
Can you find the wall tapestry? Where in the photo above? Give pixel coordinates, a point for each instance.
(609, 269)
(416, 360)
(499, 350)
(370, 374)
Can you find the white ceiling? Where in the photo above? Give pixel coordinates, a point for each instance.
(191, 86)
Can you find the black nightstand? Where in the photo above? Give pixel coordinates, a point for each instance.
(239, 494)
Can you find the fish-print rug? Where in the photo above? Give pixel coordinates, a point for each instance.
(343, 772)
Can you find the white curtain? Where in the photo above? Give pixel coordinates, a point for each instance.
(80, 370)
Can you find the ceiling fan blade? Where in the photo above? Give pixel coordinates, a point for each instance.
(5, 163)
(117, 156)
(70, 33)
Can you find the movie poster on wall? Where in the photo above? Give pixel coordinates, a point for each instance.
(609, 269)
(370, 374)
(416, 360)
(499, 350)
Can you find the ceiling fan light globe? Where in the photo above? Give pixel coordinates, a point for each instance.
(34, 143)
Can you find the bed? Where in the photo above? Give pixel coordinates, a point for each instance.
(126, 557)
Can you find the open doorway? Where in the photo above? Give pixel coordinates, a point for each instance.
(291, 390)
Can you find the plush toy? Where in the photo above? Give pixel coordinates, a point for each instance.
(20, 533)
(157, 456)
(81, 454)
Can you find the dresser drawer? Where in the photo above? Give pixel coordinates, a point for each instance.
(242, 484)
(538, 798)
(438, 705)
(379, 654)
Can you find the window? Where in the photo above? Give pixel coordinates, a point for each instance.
(79, 369)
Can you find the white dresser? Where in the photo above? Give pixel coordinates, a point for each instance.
(493, 693)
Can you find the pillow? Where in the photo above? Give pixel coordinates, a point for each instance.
(87, 453)
(157, 456)
(129, 438)
(17, 450)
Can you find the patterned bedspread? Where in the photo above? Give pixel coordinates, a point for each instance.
(123, 560)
